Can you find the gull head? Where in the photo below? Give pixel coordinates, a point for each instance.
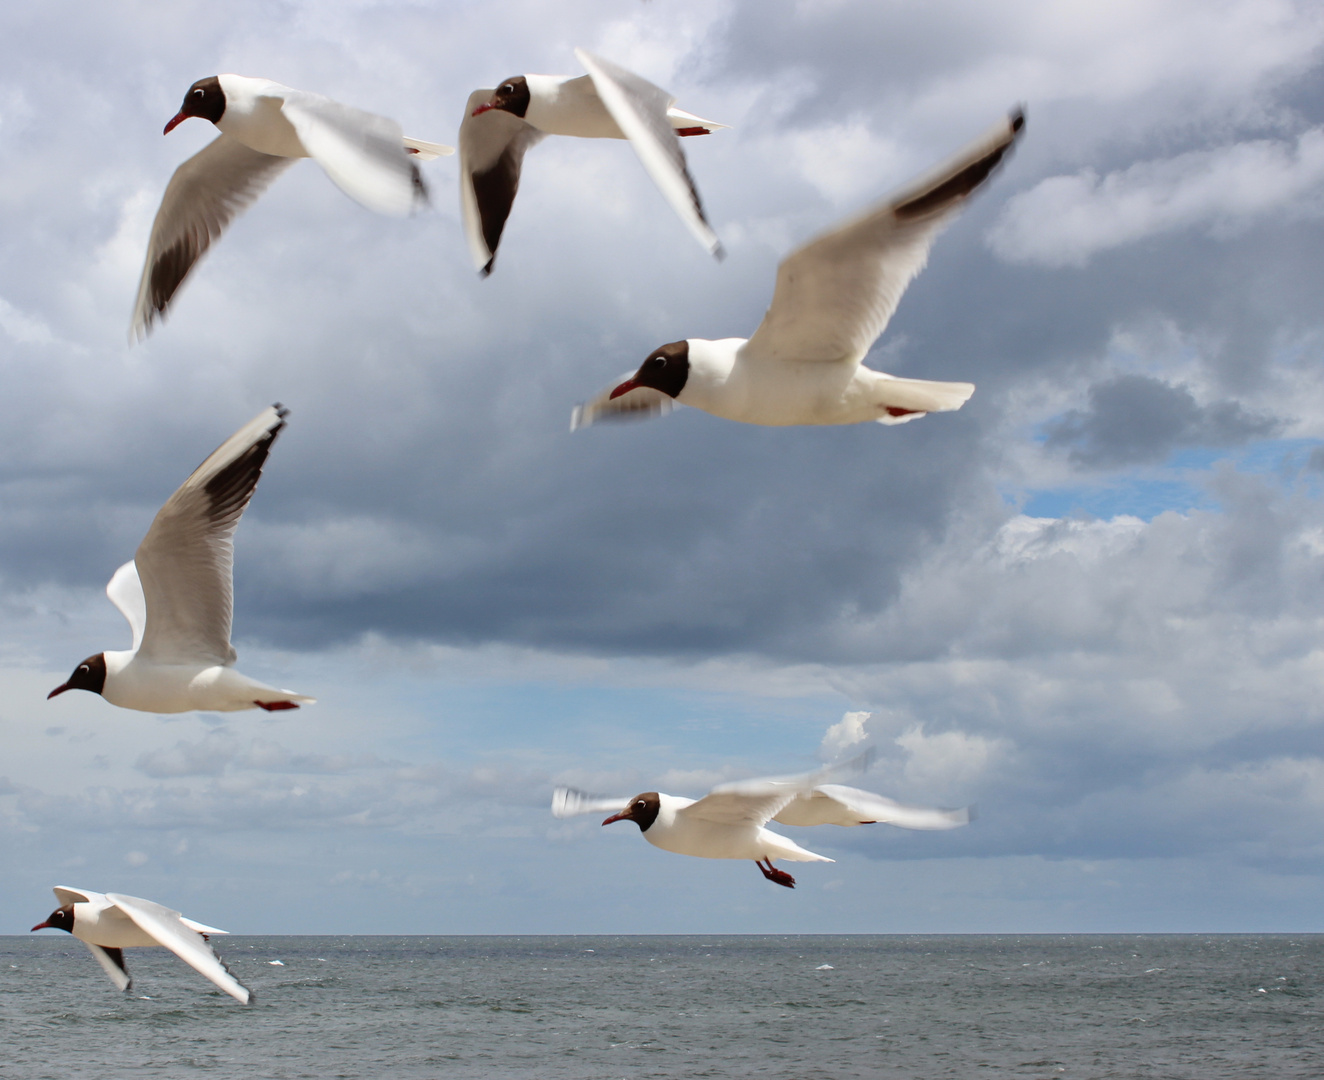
(89, 675)
(204, 99)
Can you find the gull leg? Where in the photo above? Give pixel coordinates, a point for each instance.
(780, 877)
(276, 706)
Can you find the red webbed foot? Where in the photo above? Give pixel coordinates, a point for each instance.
(779, 877)
(276, 706)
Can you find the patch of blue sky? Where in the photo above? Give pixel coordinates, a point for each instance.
(611, 726)
(1181, 484)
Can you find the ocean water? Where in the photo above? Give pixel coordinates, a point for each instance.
(804, 1007)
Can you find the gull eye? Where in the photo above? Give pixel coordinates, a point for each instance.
(83, 667)
(659, 361)
(508, 89)
(198, 91)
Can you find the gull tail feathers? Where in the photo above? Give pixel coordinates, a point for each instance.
(427, 151)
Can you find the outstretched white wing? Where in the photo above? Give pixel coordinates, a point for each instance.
(205, 194)
(67, 896)
(640, 110)
(186, 560)
(756, 802)
(126, 593)
(836, 804)
(641, 403)
(167, 928)
(568, 802)
(363, 153)
(835, 294)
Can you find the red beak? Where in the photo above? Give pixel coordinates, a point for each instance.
(624, 815)
(175, 121)
(41, 926)
(624, 388)
(484, 107)
(58, 690)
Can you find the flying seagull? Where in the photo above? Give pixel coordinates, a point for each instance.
(834, 296)
(109, 923)
(609, 102)
(264, 128)
(178, 594)
(729, 822)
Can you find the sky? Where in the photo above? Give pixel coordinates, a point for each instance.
(1091, 602)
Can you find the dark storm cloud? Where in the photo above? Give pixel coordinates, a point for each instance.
(1137, 419)
(426, 486)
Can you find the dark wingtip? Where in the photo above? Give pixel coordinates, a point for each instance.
(719, 253)
(281, 411)
(1017, 118)
(486, 271)
(422, 197)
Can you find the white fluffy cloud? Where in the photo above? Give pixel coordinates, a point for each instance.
(1066, 220)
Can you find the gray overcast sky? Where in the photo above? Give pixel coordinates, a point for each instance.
(1089, 601)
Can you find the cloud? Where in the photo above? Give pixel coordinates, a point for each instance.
(1137, 419)
(486, 605)
(1067, 220)
(842, 736)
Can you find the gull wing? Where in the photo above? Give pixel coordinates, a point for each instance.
(206, 193)
(186, 560)
(640, 111)
(835, 294)
(363, 153)
(492, 149)
(66, 896)
(756, 802)
(567, 802)
(641, 403)
(836, 804)
(126, 593)
(201, 928)
(167, 928)
(112, 963)
(745, 802)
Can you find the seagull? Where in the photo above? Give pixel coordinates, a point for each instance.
(109, 923)
(608, 103)
(834, 296)
(728, 822)
(264, 127)
(180, 607)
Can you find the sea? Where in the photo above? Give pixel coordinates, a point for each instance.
(1195, 1007)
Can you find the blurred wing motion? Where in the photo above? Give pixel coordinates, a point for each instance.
(835, 804)
(186, 560)
(758, 801)
(112, 963)
(640, 110)
(363, 153)
(492, 149)
(568, 802)
(167, 928)
(835, 294)
(641, 403)
(206, 193)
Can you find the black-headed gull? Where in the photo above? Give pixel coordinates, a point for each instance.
(608, 103)
(264, 128)
(178, 594)
(109, 923)
(729, 822)
(834, 296)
